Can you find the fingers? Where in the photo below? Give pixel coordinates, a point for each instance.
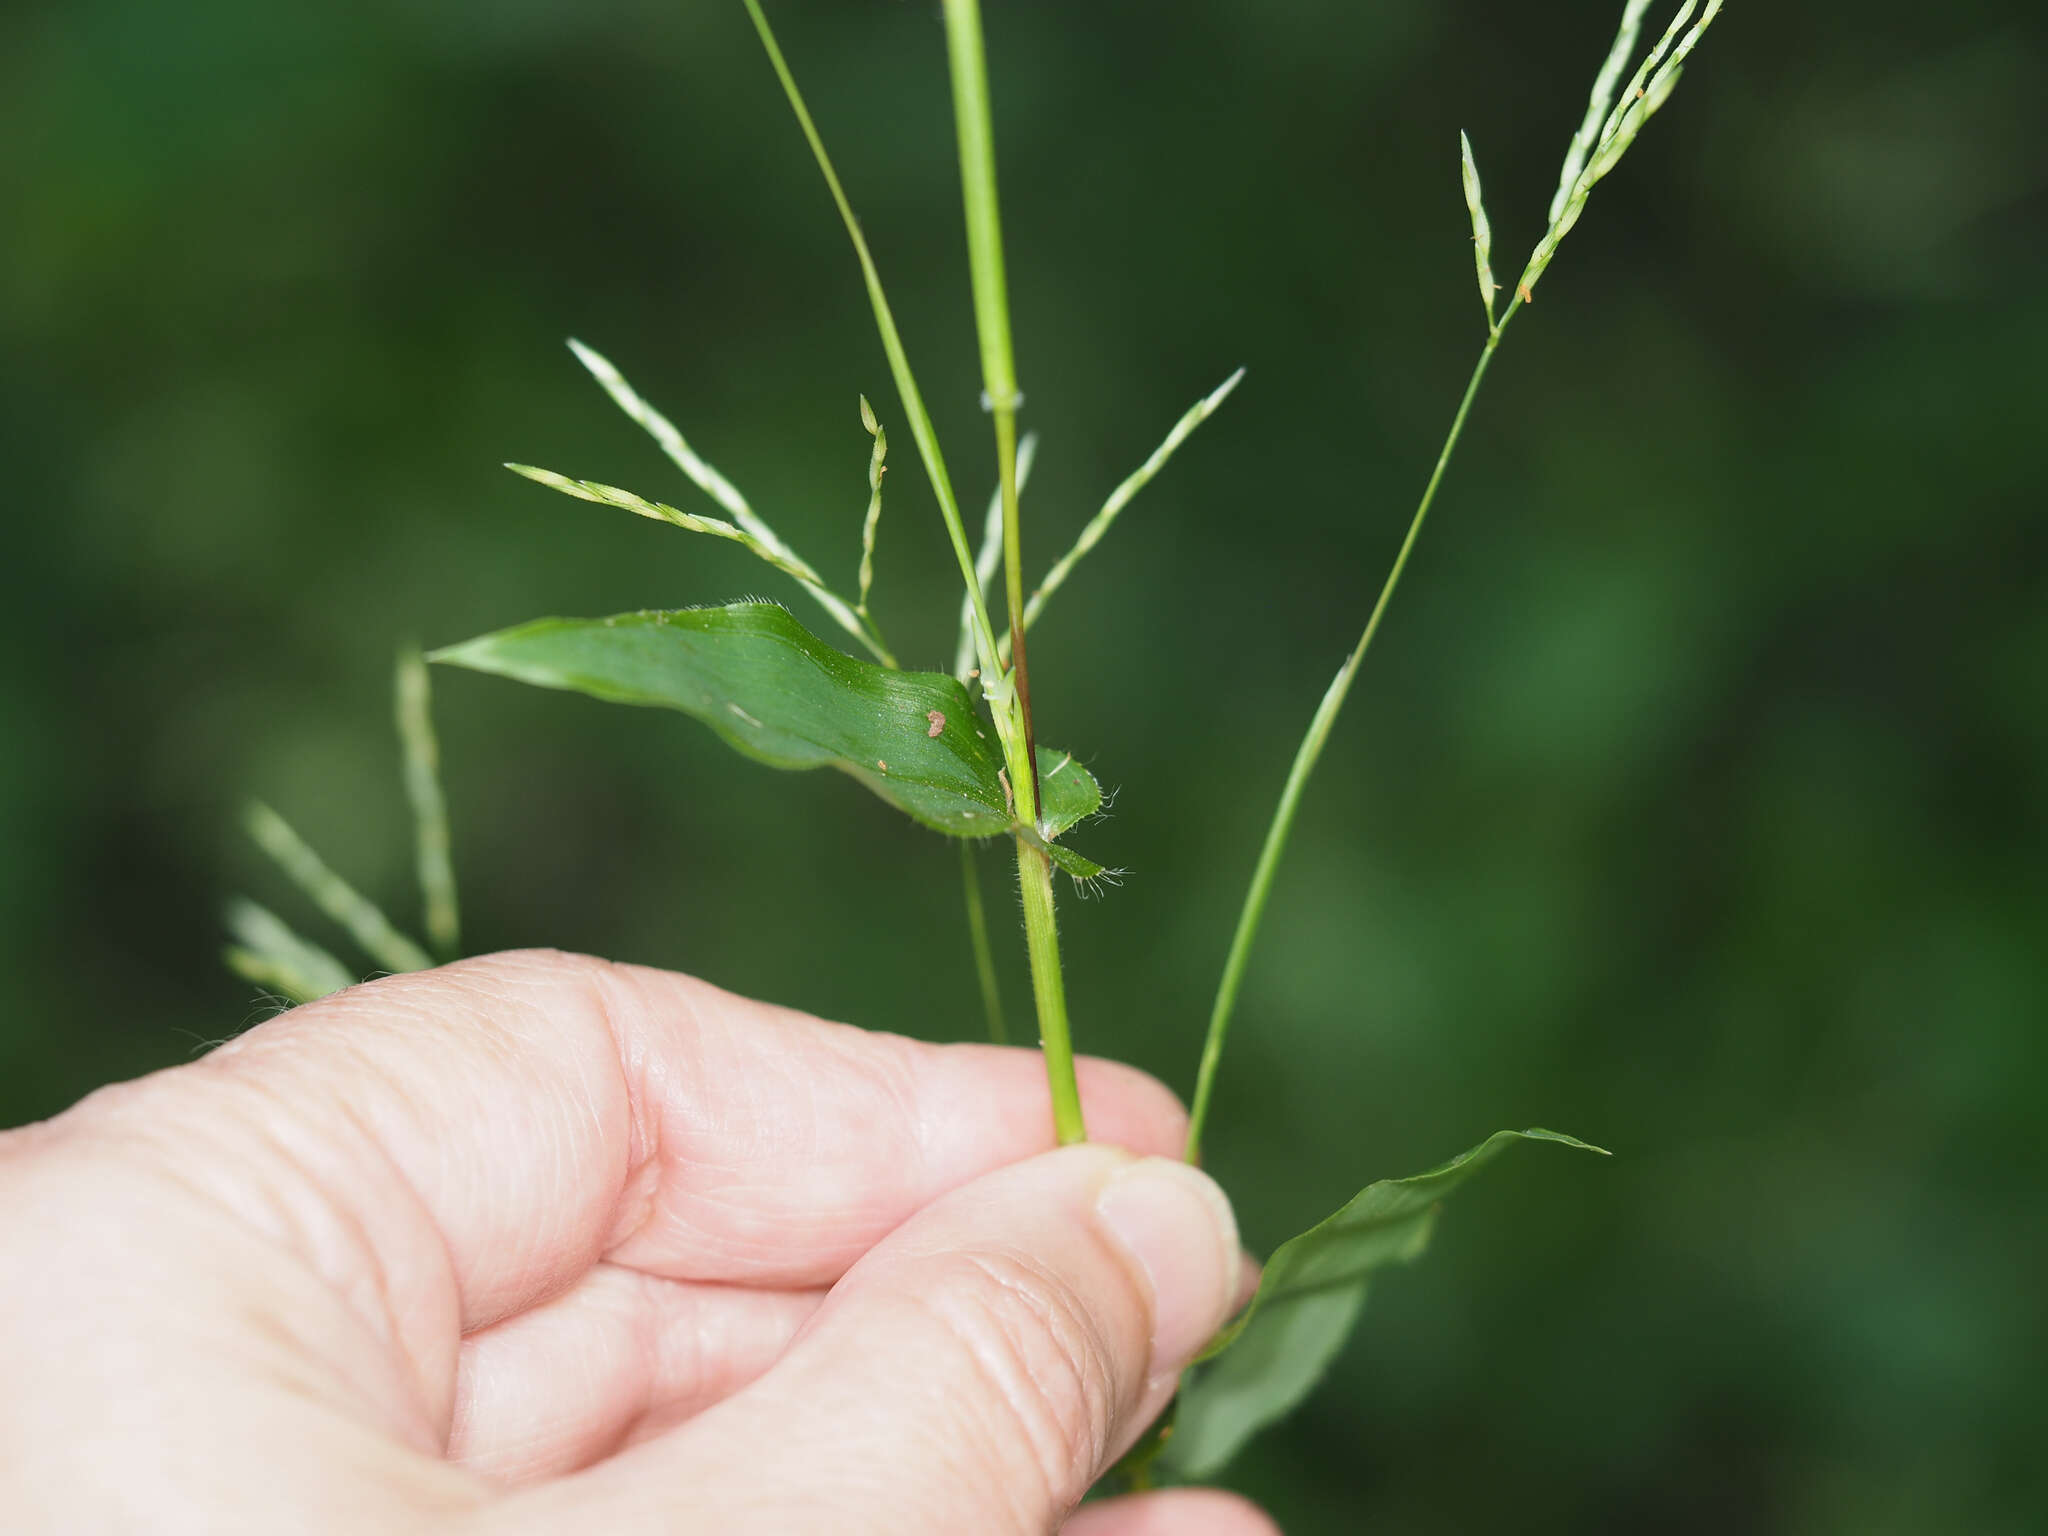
(1180, 1512)
(532, 1113)
(619, 1356)
(976, 1371)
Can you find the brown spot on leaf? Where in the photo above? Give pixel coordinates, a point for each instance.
(936, 720)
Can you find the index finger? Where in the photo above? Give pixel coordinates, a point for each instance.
(538, 1111)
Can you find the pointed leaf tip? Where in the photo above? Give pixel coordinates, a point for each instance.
(1309, 1297)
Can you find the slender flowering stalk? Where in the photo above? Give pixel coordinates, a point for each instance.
(1100, 524)
(661, 512)
(413, 700)
(1305, 758)
(268, 952)
(333, 895)
(1603, 138)
(921, 429)
(764, 539)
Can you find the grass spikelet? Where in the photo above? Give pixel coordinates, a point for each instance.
(1639, 102)
(1634, 94)
(1482, 231)
(672, 442)
(777, 555)
(1616, 129)
(876, 469)
(413, 702)
(365, 922)
(1597, 105)
(765, 541)
(270, 954)
(1121, 497)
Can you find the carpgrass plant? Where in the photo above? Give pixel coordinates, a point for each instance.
(957, 751)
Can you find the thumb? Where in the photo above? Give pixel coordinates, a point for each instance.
(976, 1371)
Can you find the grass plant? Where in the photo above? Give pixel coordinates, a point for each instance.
(958, 751)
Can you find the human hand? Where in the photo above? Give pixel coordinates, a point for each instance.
(535, 1243)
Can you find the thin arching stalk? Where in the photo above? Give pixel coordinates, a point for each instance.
(1608, 130)
(984, 957)
(921, 429)
(1305, 759)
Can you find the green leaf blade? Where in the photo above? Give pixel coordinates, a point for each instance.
(1376, 1226)
(1309, 1297)
(1067, 793)
(775, 692)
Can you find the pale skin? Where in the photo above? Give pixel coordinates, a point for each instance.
(537, 1243)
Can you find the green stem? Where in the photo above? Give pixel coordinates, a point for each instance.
(984, 957)
(1034, 874)
(1025, 773)
(968, 63)
(972, 125)
(921, 429)
(967, 59)
(1305, 759)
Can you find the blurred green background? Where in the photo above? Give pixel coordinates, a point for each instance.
(1692, 800)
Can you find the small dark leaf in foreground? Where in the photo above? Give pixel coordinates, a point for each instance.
(1308, 1298)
